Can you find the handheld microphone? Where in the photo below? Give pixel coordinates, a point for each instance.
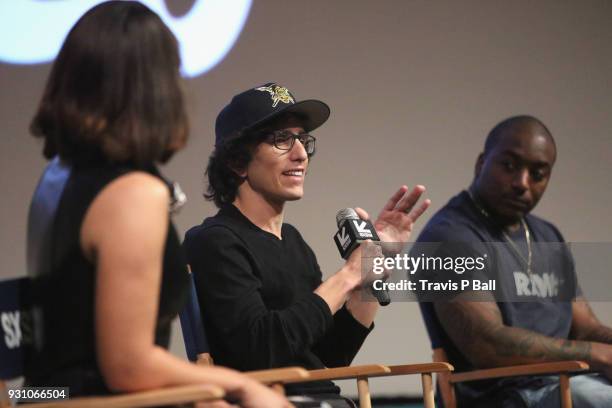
(352, 231)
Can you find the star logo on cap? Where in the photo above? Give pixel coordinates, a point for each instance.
(277, 93)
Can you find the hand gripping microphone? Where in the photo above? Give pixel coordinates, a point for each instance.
(352, 231)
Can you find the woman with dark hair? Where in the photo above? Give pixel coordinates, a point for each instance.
(108, 272)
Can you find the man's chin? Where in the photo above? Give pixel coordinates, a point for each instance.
(294, 197)
(294, 194)
(280, 199)
(289, 196)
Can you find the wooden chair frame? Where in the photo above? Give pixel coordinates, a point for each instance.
(361, 374)
(426, 371)
(447, 380)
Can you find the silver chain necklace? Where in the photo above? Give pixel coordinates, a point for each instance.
(510, 241)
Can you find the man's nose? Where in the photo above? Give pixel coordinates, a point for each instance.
(520, 182)
(298, 151)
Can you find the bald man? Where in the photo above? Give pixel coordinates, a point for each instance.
(525, 322)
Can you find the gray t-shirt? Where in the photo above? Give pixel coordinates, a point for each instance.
(536, 300)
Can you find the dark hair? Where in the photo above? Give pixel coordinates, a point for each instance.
(226, 160)
(235, 154)
(513, 122)
(114, 91)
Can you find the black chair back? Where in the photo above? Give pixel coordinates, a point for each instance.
(194, 335)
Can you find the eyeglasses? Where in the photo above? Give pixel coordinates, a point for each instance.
(284, 140)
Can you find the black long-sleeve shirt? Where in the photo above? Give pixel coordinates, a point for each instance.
(258, 305)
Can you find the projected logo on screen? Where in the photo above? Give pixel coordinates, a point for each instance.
(32, 31)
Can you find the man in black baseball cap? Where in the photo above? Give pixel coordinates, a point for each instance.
(259, 285)
(255, 107)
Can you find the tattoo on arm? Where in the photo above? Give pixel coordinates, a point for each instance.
(468, 325)
(478, 331)
(524, 343)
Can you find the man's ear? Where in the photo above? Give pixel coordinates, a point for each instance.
(240, 171)
(479, 164)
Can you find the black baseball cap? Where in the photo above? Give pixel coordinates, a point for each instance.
(257, 106)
